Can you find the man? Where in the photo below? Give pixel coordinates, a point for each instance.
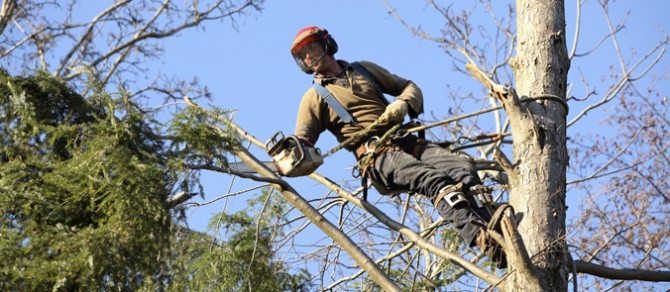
(348, 97)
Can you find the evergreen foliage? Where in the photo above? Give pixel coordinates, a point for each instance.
(83, 189)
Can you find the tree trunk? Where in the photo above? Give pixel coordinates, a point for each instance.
(537, 184)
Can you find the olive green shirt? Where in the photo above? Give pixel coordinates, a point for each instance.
(360, 98)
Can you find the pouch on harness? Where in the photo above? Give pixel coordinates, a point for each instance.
(366, 155)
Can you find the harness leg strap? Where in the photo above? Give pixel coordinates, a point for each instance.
(452, 195)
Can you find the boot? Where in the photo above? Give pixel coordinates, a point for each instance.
(490, 247)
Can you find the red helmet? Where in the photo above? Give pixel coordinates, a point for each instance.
(306, 36)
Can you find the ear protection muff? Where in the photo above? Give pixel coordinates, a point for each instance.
(329, 43)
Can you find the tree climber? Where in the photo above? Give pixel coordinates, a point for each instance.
(348, 97)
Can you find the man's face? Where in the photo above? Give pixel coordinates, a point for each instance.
(311, 54)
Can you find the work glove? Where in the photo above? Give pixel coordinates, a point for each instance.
(395, 112)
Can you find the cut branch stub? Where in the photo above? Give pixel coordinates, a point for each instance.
(505, 94)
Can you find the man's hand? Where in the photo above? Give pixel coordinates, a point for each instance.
(395, 112)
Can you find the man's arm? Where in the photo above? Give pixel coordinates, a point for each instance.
(401, 88)
(414, 97)
(312, 117)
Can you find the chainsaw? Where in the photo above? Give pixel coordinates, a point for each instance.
(291, 156)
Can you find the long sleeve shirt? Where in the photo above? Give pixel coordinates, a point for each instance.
(360, 98)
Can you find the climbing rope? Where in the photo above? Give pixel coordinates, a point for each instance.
(395, 128)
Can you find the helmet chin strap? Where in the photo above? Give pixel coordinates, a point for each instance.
(311, 66)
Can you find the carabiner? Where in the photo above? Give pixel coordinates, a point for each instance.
(368, 147)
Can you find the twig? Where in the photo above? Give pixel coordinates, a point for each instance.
(578, 22)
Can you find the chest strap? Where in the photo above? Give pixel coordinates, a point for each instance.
(334, 103)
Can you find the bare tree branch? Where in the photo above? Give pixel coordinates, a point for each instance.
(625, 79)
(622, 274)
(87, 35)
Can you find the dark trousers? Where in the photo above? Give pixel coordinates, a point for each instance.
(435, 168)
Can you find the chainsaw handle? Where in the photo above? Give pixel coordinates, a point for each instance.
(301, 149)
(272, 146)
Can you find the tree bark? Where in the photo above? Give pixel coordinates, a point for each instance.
(537, 184)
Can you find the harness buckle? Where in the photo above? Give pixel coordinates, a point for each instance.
(452, 195)
(482, 197)
(455, 198)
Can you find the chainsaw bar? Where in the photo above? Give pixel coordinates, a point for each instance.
(244, 168)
